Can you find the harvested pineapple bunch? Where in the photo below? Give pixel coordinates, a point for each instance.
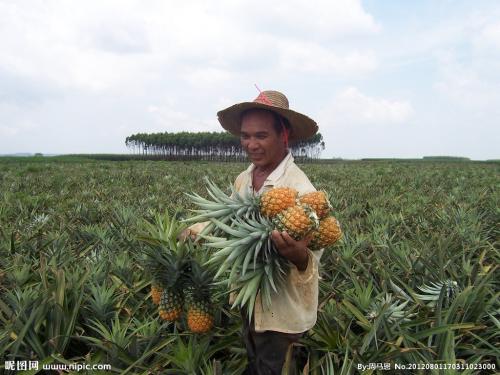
(241, 228)
(179, 282)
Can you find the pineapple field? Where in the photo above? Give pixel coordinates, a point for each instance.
(84, 245)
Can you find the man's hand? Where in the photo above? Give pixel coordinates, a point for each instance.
(295, 251)
(185, 234)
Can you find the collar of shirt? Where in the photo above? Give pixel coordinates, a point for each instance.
(275, 175)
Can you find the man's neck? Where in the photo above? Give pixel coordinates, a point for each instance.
(268, 169)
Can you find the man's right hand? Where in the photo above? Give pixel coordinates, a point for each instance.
(185, 234)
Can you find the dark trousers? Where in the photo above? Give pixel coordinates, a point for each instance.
(267, 351)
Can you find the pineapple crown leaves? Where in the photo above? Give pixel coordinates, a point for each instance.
(391, 310)
(444, 291)
(164, 230)
(162, 274)
(247, 291)
(249, 237)
(167, 267)
(199, 280)
(250, 258)
(221, 205)
(164, 257)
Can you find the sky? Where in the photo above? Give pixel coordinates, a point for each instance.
(381, 78)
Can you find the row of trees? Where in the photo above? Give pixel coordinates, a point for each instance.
(220, 146)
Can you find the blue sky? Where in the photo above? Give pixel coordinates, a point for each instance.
(381, 78)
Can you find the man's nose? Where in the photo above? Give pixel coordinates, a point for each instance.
(252, 144)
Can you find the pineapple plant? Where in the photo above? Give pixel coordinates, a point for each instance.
(327, 233)
(200, 317)
(319, 201)
(167, 270)
(180, 283)
(166, 261)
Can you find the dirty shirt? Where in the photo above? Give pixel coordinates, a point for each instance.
(294, 308)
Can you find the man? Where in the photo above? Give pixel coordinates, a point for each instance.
(265, 126)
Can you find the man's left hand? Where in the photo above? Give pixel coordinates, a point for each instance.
(295, 251)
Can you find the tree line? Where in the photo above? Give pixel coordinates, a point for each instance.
(217, 146)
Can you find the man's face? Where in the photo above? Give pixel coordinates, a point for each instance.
(265, 147)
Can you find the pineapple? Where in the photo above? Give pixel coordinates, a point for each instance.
(327, 234)
(156, 292)
(170, 307)
(319, 201)
(200, 317)
(277, 200)
(298, 221)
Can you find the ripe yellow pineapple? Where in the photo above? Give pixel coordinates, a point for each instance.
(327, 234)
(319, 202)
(298, 221)
(276, 200)
(171, 303)
(200, 317)
(199, 320)
(156, 292)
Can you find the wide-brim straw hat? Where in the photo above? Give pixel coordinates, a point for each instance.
(302, 127)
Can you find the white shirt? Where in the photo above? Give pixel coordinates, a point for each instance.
(294, 309)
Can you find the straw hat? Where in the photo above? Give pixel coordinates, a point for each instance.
(302, 127)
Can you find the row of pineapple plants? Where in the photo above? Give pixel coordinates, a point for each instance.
(414, 278)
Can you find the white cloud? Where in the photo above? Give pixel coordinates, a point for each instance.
(321, 19)
(490, 35)
(351, 106)
(167, 118)
(467, 85)
(6, 131)
(14, 121)
(100, 46)
(314, 58)
(206, 77)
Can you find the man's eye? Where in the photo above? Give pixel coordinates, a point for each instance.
(261, 136)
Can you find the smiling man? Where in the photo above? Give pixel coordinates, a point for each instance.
(265, 127)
